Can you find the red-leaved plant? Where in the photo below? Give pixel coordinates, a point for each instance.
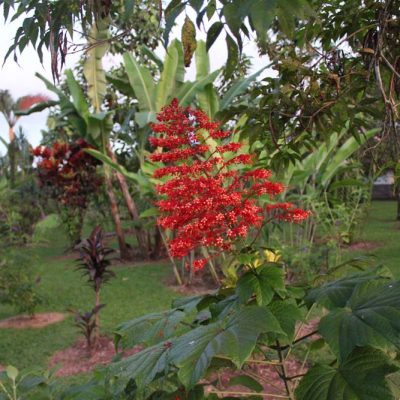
(68, 174)
(69, 171)
(212, 196)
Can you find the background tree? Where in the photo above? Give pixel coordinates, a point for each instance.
(9, 109)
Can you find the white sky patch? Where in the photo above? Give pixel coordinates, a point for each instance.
(20, 78)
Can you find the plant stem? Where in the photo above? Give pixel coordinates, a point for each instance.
(305, 337)
(264, 395)
(97, 317)
(283, 369)
(211, 266)
(252, 361)
(5, 391)
(174, 267)
(296, 338)
(14, 387)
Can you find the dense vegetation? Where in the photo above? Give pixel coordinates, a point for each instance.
(251, 192)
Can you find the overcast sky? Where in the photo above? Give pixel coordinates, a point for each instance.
(20, 78)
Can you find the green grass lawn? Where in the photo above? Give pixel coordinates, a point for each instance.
(382, 229)
(136, 290)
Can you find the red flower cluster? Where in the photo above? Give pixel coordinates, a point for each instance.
(68, 172)
(210, 199)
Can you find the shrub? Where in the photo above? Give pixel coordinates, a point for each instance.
(18, 285)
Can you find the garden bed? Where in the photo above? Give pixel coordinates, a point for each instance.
(76, 360)
(35, 321)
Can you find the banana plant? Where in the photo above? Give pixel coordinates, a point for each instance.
(325, 163)
(152, 94)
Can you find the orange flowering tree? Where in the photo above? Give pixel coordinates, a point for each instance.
(211, 196)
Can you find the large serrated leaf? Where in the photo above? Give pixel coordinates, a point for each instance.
(149, 329)
(234, 337)
(371, 317)
(143, 367)
(336, 294)
(288, 315)
(263, 282)
(360, 377)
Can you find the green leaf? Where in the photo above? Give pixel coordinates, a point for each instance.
(180, 69)
(12, 372)
(189, 90)
(213, 33)
(93, 66)
(262, 13)
(149, 329)
(175, 7)
(144, 118)
(234, 337)
(141, 82)
(239, 87)
(166, 85)
(207, 97)
(143, 367)
(360, 377)
(233, 16)
(288, 315)
(342, 154)
(121, 84)
(202, 60)
(150, 212)
(107, 160)
(370, 317)
(37, 108)
(336, 294)
(209, 100)
(128, 8)
(264, 282)
(78, 98)
(152, 56)
(233, 57)
(196, 4)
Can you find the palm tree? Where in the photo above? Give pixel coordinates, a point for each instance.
(9, 108)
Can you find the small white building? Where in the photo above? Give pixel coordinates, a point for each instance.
(383, 188)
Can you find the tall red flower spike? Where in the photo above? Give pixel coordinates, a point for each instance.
(211, 198)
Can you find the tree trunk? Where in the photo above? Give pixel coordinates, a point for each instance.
(123, 248)
(97, 316)
(12, 156)
(398, 202)
(133, 211)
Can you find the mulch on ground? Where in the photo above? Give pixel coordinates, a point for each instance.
(39, 320)
(76, 360)
(364, 245)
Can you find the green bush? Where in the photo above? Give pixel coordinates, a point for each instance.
(18, 284)
(46, 228)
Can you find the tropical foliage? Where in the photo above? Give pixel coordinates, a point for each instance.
(205, 171)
